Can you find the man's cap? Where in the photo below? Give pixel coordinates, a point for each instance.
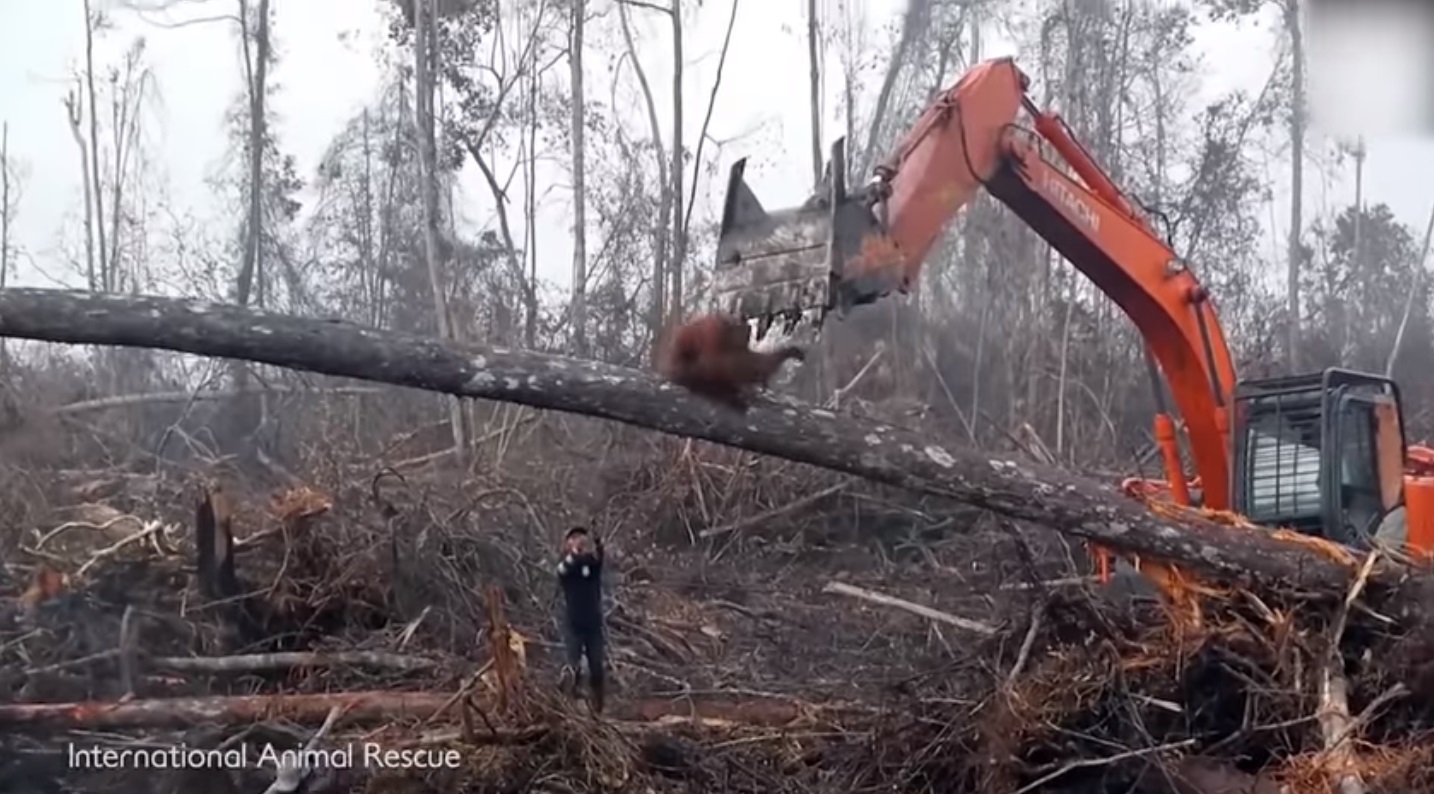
(575, 532)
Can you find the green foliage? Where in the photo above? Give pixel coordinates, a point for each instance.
(1233, 10)
(1355, 298)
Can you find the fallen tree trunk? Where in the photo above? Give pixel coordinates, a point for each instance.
(782, 428)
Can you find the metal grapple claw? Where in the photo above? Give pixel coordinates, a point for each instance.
(796, 265)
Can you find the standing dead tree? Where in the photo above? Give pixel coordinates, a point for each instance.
(579, 316)
(661, 231)
(424, 55)
(679, 235)
(814, 88)
(93, 23)
(74, 114)
(1025, 492)
(9, 201)
(256, 71)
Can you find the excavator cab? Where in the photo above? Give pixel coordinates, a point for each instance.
(1322, 454)
(798, 264)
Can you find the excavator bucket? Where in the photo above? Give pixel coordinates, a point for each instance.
(797, 264)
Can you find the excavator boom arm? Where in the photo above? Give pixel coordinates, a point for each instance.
(1097, 229)
(1159, 293)
(968, 140)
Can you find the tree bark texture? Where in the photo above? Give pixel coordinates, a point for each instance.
(424, 61)
(775, 426)
(91, 22)
(1297, 171)
(257, 75)
(814, 87)
(677, 278)
(580, 227)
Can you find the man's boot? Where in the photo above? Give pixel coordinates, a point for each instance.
(569, 681)
(598, 691)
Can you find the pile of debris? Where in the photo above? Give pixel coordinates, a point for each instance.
(408, 644)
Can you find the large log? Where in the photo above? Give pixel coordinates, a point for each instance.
(778, 427)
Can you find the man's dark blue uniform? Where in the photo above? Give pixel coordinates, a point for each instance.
(580, 574)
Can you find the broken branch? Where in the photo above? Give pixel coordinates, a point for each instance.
(937, 615)
(268, 662)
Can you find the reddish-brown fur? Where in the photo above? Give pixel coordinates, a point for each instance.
(709, 356)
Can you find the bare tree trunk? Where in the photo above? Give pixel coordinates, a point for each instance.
(850, 66)
(816, 92)
(661, 230)
(368, 278)
(6, 210)
(256, 70)
(4, 202)
(119, 125)
(1347, 350)
(707, 118)
(99, 217)
(988, 296)
(976, 21)
(74, 113)
(423, 49)
(530, 206)
(1359, 154)
(913, 28)
(580, 237)
(247, 413)
(1061, 381)
(679, 247)
(849, 100)
(1297, 176)
(500, 204)
(124, 120)
(388, 209)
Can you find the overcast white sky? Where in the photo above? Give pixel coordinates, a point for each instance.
(328, 70)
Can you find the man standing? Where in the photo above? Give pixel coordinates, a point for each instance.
(580, 574)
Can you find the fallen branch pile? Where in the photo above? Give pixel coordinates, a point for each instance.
(1050, 688)
(1052, 714)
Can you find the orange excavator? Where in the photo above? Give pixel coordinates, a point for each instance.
(1319, 457)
